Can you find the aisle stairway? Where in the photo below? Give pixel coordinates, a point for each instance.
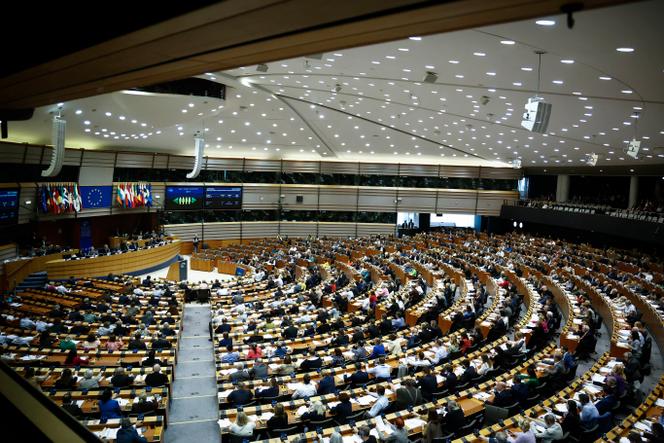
(32, 281)
(194, 409)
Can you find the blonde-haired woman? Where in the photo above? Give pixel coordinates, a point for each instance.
(525, 436)
(242, 426)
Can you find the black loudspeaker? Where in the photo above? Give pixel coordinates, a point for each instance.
(425, 222)
(299, 199)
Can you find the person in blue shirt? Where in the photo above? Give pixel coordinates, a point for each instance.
(128, 434)
(281, 351)
(108, 407)
(230, 356)
(589, 412)
(378, 350)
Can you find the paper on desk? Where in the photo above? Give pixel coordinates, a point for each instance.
(333, 404)
(660, 402)
(439, 378)
(482, 396)
(301, 410)
(598, 378)
(413, 423)
(224, 423)
(224, 394)
(79, 403)
(273, 366)
(292, 386)
(352, 439)
(642, 426)
(122, 401)
(381, 426)
(366, 400)
(561, 407)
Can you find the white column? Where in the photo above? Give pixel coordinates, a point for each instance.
(633, 191)
(562, 188)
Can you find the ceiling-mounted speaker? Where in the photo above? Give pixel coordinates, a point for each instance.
(633, 148)
(58, 153)
(536, 117)
(199, 148)
(430, 77)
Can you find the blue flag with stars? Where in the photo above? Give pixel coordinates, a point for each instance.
(96, 196)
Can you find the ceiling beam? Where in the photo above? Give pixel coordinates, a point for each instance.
(237, 33)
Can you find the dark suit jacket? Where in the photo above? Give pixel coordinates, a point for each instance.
(502, 399)
(359, 378)
(428, 385)
(342, 411)
(454, 420)
(158, 379)
(239, 397)
(269, 392)
(120, 381)
(408, 397)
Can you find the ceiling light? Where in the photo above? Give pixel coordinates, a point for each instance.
(567, 61)
(404, 49)
(79, 112)
(604, 77)
(526, 68)
(507, 42)
(415, 38)
(625, 49)
(479, 54)
(557, 82)
(454, 62)
(491, 73)
(626, 91)
(545, 22)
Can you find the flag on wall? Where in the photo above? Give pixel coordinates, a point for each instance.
(59, 198)
(133, 195)
(96, 196)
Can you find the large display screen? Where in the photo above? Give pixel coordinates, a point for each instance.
(184, 197)
(223, 197)
(8, 206)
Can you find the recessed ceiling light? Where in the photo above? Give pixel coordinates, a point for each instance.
(430, 67)
(415, 38)
(79, 112)
(507, 42)
(517, 83)
(526, 68)
(626, 91)
(604, 77)
(87, 122)
(557, 82)
(567, 61)
(545, 22)
(108, 114)
(491, 73)
(459, 76)
(404, 49)
(479, 54)
(625, 49)
(454, 62)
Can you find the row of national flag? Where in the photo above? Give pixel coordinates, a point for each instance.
(134, 195)
(63, 198)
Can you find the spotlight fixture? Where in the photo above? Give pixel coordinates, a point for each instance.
(430, 77)
(261, 67)
(485, 100)
(337, 88)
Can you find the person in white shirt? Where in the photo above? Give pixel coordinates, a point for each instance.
(61, 289)
(306, 389)
(552, 430)
(441, 352)
(381, 371)
(222, 291)
(27, 323)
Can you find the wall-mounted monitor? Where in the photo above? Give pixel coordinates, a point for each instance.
(184, 197)
(9, 205)
(223, 197)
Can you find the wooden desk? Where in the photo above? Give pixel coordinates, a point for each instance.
(127, 262)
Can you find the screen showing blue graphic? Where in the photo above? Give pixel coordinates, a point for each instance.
(8, 206)
(223, 197)
(184, 197)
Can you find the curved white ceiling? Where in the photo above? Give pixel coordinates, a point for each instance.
(371, 103)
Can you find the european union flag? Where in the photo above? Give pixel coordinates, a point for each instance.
(96, 196)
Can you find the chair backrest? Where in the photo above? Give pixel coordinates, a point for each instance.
(321, 423)
(276, 433)
(494, 414)
(235, 438)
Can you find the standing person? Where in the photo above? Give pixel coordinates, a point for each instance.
(195, 242)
